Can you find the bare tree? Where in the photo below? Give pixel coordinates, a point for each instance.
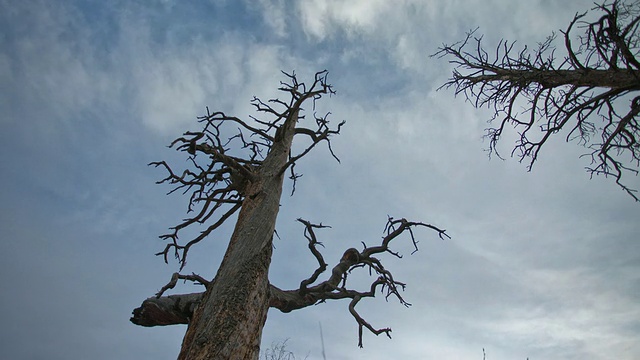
(591, 92)
(243, 171)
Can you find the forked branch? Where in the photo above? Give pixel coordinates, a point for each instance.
(335, 287)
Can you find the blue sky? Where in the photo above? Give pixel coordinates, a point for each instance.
(541, 264)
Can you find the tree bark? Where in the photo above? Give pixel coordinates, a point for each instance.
(228, 322)
(609, 78)
(166, 310)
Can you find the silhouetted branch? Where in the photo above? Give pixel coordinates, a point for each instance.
(177, 276)
(322, 133)
(590, 88)
(335, 287)
(313, 241)
(226, 157)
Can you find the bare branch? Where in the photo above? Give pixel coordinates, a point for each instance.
(313, 241)
(334, 288)
(218, 178)
(362, 322)
(586, 91)
(177, 276)
(180, 251)
(321, 134)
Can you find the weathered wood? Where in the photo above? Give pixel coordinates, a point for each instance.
(229, 321)
(166, 310)
(602, 78)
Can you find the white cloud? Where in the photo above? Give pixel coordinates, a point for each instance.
(274, 15)
(321, 18)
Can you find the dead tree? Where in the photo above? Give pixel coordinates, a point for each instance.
(592, 92)
(243, 171)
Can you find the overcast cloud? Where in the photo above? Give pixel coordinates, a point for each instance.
(542, 264)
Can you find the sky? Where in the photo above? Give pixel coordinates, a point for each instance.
(541, 265)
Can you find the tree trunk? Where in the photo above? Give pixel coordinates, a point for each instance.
(228, 322)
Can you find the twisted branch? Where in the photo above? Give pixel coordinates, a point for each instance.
(335, 287)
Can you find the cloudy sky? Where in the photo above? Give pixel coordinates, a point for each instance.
(542, 264)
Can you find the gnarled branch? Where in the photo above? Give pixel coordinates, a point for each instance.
(591, 92)
(227, 155)
(333, 288)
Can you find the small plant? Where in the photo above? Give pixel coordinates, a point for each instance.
(278, 351)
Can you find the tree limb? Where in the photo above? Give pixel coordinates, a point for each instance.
(590, 87)
(174, 307)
